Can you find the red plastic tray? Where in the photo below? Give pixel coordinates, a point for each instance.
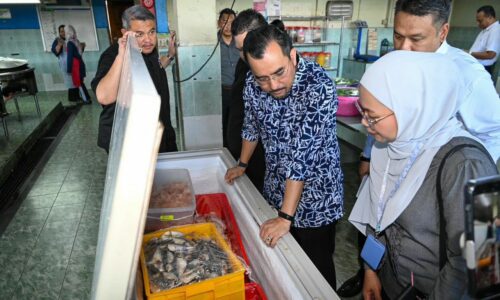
(253, 291)
(218, 205)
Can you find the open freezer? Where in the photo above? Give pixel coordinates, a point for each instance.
(284, 272)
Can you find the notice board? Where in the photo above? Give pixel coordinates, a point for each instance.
(82, 19)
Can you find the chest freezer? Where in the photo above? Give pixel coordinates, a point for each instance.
(284, 272)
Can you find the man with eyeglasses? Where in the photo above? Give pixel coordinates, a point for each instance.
(291, 104)
(422, 25)
(141, 23)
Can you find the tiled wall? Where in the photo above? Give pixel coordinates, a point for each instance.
(201, 97)
(462, 37)
(27, 43)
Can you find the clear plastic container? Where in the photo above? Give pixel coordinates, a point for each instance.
(292, 32)
(314, 56)
(320, 59)
(327, 60)
(172, 199)
(301, 35)
(309, 34)
(306, 56)
(317, 34)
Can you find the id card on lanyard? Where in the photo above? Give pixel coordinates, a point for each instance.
(373, 251)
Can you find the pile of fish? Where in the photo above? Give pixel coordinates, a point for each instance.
(175, 259)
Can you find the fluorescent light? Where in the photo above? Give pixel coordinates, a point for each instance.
(19, 1)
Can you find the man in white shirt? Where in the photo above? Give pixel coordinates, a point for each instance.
(487, 44)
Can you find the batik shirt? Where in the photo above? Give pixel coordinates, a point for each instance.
(299, 136)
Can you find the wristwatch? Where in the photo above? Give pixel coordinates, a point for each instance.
(171, 58)
(363, 158)
(242, 164)
(285, 216)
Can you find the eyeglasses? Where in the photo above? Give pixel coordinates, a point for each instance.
(276, 76)
(371, 122)
(141, 35)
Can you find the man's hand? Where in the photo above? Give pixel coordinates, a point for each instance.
(233, 173)
(364, 169)
(122, 42)
(171, 44)
(372, 289)
(273, 229)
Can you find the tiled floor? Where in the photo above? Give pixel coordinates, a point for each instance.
(48, 250)
(19, 130)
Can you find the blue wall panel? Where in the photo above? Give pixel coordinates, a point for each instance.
(23, 17)
(26, 17)
(161, 16)
(101, 21)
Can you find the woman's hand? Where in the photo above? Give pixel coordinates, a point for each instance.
(372, 289)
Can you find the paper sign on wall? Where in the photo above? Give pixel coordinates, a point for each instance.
(5, 13)
(268, 8)
(372, 39)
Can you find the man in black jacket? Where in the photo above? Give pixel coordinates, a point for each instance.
(140, 22)
(246, 21)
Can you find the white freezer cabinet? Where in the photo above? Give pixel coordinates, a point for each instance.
(284, 272)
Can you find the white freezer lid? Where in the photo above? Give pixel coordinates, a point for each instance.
(284, 272)
(129, 176)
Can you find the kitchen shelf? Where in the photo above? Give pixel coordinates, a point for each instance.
(323, 44)
(304, 18)
(320, 44)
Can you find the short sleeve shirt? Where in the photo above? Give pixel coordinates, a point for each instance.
(488, 40)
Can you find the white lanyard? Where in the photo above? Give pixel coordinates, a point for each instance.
(381, 203)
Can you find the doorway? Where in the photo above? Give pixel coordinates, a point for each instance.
(114, 10)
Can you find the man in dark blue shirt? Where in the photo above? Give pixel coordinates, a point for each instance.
(229, 56)
(291, 105)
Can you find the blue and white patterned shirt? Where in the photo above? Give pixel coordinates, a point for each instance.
(299, 135)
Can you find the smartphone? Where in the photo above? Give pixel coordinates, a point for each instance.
(482, 237)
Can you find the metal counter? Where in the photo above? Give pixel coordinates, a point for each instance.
(350, 130)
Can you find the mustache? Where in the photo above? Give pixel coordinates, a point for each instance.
(277, 90)
(144, 46)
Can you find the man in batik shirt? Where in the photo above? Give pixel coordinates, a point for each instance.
(290, 104)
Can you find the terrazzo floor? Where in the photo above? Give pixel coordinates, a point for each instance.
(20, 129)
(48, 249)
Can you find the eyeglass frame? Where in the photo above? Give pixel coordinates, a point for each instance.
(371, 122)
(267, 79)
(141, 35)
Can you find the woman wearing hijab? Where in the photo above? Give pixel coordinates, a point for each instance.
(409, 102)
(75, 64)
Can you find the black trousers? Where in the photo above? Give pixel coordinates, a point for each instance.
(489, 69)
(319, 244)
(168, 141)
(361, 244)
(226, 101)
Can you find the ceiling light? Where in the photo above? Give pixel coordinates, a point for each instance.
(19, 1)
